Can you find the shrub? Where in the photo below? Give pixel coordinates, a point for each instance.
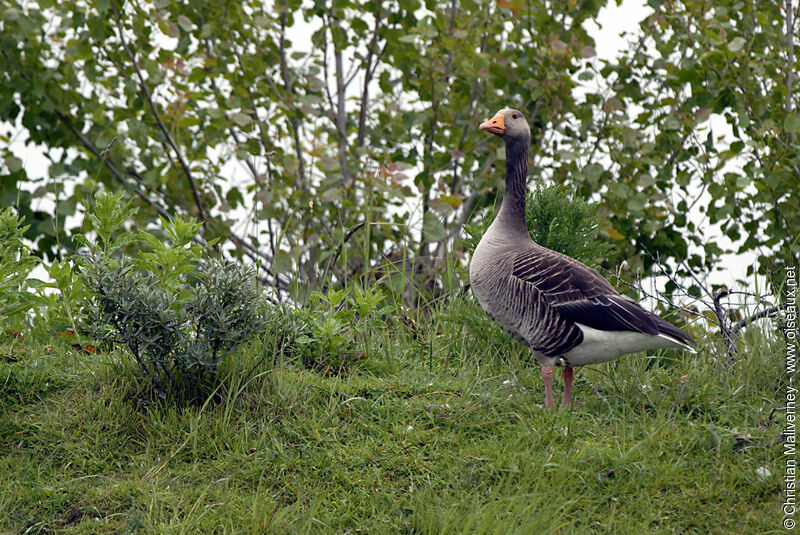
(555, 221)
(16, 263)
(569, 226)
(226, 308)
(178, 314)
(337, 328)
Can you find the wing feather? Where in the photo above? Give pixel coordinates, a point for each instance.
(568, 293)
(580, 293)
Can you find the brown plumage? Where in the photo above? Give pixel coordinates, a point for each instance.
(565, 311)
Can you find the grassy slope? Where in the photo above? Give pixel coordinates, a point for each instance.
(404, 445)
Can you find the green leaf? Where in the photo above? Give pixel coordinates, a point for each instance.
(742, 181)
(453, 201)
(13, 163)
(716, 191)
(333, 194)
(559, 47)
(672, 123)
(433, 227)
(242, 119)
(791, 123)
(185, 23)
(611, 105)
(283, 262)
(736, 44)
(304, 339)
(635, 204)
(593, 172)
(12, 14)
(328, 164)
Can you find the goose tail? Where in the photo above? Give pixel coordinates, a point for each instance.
(673, 334)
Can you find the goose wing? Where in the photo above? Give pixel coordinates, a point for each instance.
(580, 294)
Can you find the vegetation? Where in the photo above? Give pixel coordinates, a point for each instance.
(363, 139)
(177, 313)
(442, 435)
(183, 350)
(558, 222)
(16, 264)
(357, 414)
(336, 330)
(569, 226)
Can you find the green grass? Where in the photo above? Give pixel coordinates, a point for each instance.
(444, 435)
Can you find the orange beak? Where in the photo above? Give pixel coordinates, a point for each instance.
(495, 125)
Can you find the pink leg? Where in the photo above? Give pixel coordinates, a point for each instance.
(567, 374)
(547, 378)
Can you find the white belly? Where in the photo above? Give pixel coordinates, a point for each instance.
(603, 346)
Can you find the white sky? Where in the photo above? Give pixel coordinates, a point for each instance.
(612, 21)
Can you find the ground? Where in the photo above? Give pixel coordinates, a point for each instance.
(444, 435)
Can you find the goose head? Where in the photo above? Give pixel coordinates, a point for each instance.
(509, 125)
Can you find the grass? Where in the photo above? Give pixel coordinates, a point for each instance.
(444, 435)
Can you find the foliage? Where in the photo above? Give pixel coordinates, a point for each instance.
(58, 311)
(179, 315)
(700, 125)
(139, 311)
(338, 328)
(226, 307)
(569, 226)
(27, 302)
(362, 143)
(566, 225)
(16, 264)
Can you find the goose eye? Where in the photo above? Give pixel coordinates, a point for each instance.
(513, 115)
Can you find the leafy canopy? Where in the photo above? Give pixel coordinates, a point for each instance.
(358, 151)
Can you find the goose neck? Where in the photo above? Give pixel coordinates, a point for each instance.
(512, 210)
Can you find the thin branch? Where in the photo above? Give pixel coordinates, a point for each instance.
(656, 297)
(287, 83)
(368, 71)
(657, 262)
(335, 256)
(727, 334)
(377, 62)
(105, 160)
(249, 250)
(770, 312)
(451, 52)
(262, 132)
(267, 154)
(697, 280)
(352, 72)
(148, 97)
(331, 105)
(341, 110)
(475, 93)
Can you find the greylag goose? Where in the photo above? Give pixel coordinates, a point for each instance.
(566, 312)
